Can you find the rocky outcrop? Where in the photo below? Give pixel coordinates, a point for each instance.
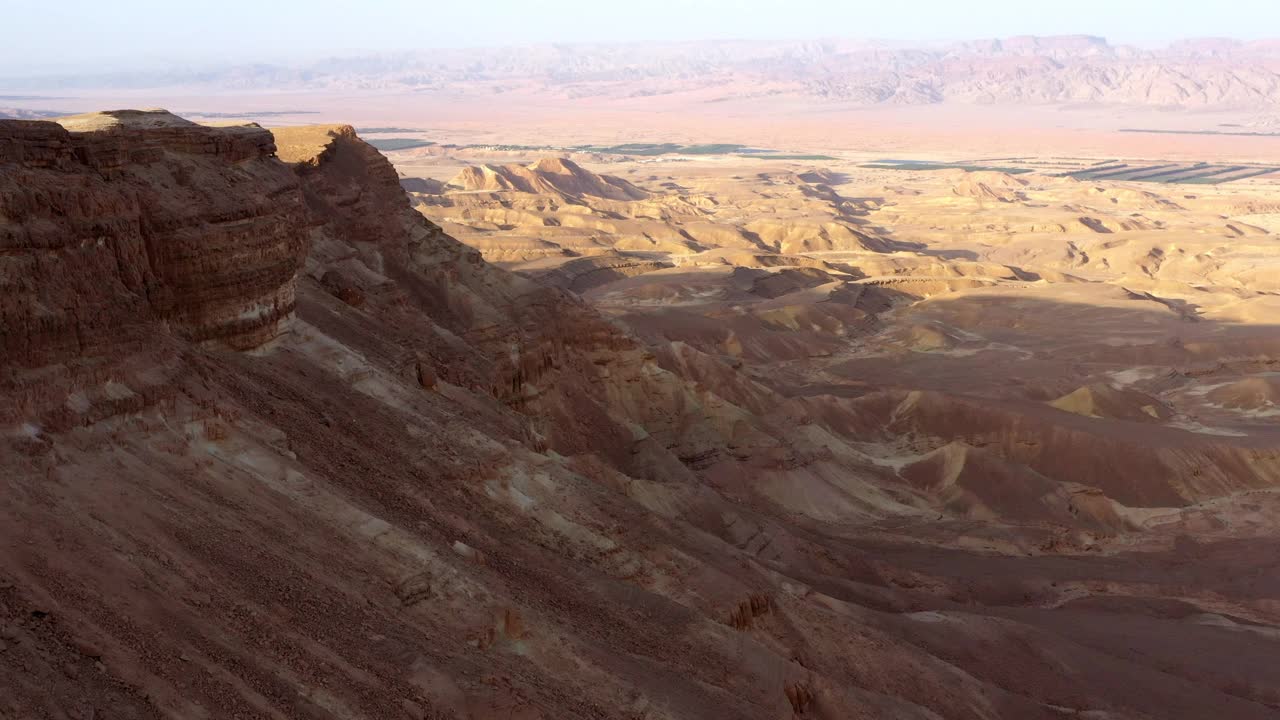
(583, 274)
(548, 175)
(115, 225)
(118, 225)
(581, 383)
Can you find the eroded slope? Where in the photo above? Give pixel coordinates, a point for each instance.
(420, 486)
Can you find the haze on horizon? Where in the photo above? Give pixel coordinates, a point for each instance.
(85, 35)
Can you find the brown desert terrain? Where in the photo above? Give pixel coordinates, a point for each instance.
(293, 428)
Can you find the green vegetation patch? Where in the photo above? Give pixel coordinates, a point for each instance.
(1134, 172)
(1199, 173)
(632, 149)
(782, 156)
(393, 144)
(509, 148)
(1167, 175)
(1224, 175)
(924, 165)
(1237, 133)
(653, 149)
(1094, 171)
(714, 149)
(373, 130)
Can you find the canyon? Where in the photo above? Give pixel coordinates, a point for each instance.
(292, 428)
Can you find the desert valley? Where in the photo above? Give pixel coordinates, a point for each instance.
(713, 387)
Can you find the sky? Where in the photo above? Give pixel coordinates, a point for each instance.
(85, 35)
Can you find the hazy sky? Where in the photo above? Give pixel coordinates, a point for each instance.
(76, 34)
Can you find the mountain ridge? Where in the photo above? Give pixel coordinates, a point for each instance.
(1194, 73)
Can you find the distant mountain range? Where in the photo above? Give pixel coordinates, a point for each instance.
(17, 113)
(1203, 73)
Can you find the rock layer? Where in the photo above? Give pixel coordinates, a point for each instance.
(121, 223)
(117, 224)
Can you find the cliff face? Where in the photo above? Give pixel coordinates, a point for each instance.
(115, 225)
(404, 412)
(273, 445)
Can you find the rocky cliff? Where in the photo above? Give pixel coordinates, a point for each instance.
(118, 225)
(276, 446)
